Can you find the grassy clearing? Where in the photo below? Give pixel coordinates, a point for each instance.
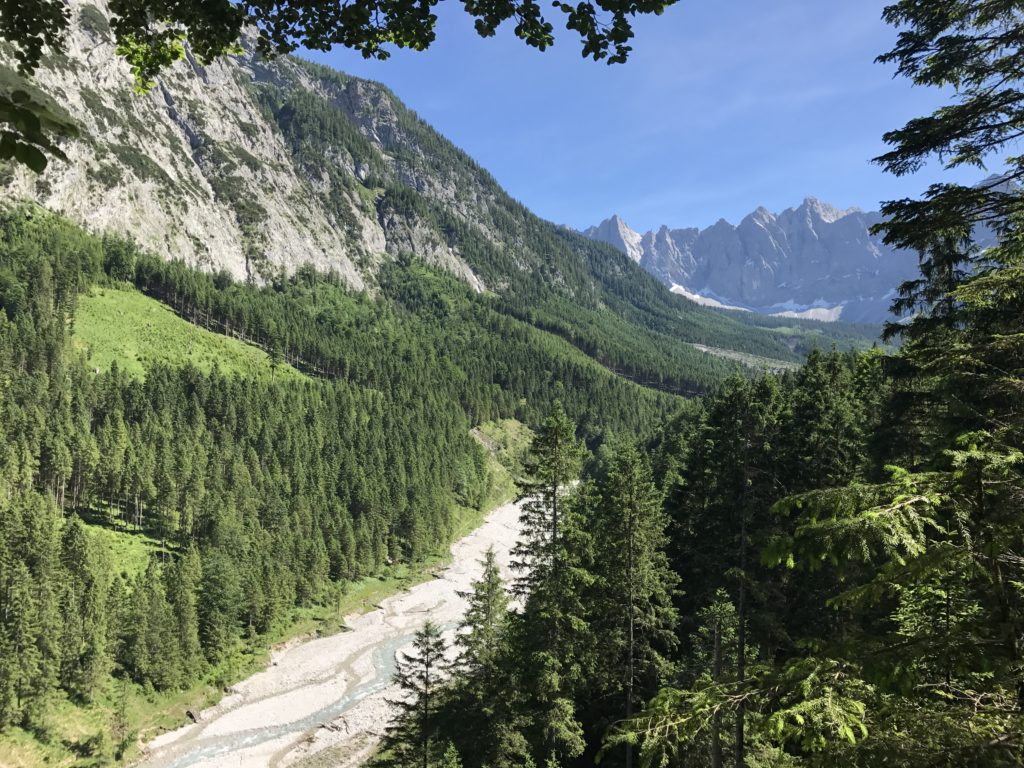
(114, 324)
(508, 442)
(751, 361)
(139, 714)
(128, 551)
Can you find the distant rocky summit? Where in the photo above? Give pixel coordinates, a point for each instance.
(615, 231)
(813, 261)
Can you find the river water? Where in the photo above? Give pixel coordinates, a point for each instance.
(325, 701)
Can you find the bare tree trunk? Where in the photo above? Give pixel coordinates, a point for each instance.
(426, 718)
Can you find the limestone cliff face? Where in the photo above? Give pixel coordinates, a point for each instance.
(262, 166)
(813, 260)
(615, 231)
(201, 169)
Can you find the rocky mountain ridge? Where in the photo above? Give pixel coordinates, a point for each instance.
(814, 260)
(616, 232)
(197, 169)
(260, 167)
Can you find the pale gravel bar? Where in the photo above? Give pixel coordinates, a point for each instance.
(324, 702)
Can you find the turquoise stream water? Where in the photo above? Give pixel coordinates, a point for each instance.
(214, 746)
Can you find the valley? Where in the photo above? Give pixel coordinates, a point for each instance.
(325, 701)
(222, 167)
(320, 449)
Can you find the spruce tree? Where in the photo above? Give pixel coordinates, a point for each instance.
(419, 677)
(482, 631)
(553, 638)
(183, 581)
(84, 659)
(713, 660)
(21, 668)
(633, 612)
(451, 758)
(555, 460)
(219, 604)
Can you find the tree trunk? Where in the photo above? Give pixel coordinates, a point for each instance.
(426, 717)
(741, 643)
(716, 723)
(630, 567)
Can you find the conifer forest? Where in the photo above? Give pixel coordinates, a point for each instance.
(802, 548)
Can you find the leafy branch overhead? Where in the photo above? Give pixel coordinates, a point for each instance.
(973, 48)
(150, 35)
(149, 32)
(31, 125)
(32, 130)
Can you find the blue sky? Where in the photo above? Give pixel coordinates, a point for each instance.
(723, 106)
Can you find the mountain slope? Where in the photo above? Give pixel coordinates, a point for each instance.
(258, 167)
(811, 261)
(137, 332)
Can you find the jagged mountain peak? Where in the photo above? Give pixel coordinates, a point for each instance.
(824, 211)
(813, 260)
(615, 231)
(761, 215)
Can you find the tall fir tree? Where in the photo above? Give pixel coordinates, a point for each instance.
(482, 631)
(633, 611)
(554, 464)
(419, 676)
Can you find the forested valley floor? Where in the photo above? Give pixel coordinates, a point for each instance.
(822, 566)
(808, 568)
(184, 482)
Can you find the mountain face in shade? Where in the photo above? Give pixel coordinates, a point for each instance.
(812, 261)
